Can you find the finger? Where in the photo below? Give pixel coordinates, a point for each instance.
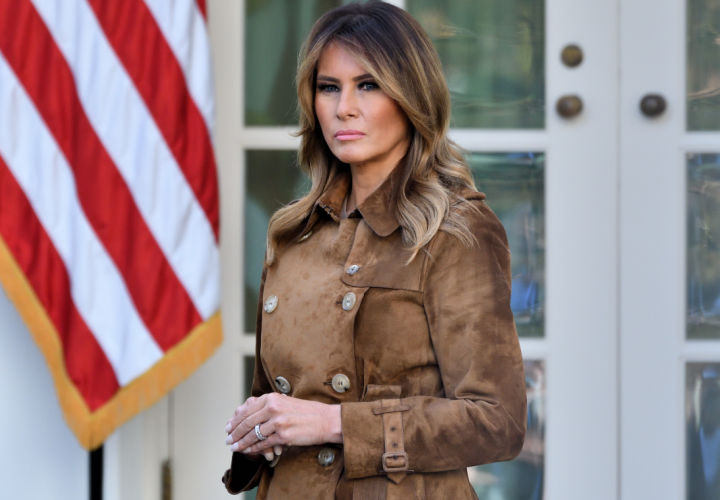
(250, 438)
(247, 414)
(250, 406)
(245, 430)
(263, 452)
(261, 446)
(247, 426)
(269, 455)
(276, 441)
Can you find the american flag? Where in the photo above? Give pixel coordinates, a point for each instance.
(109, 197)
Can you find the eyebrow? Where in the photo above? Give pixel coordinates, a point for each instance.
(325, 78)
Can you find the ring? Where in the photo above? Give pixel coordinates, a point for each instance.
(259, 434)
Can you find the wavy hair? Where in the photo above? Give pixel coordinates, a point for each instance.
(392, 46)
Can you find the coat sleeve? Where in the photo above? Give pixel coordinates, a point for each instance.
(245, 472)
(481, 417)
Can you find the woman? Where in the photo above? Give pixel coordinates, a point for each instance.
(387, 360)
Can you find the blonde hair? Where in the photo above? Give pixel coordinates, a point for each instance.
(395, 50)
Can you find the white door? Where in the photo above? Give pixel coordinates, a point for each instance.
(670, 265)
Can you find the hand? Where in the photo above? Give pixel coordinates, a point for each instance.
(285, 421)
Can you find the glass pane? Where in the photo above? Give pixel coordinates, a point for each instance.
(703, 246)
(515, 187)
(250, 495)
(703, 71)
(702, 422)
(493, 55)
(274, 32)
(522, 478)
(272, 180)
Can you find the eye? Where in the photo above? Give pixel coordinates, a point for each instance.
(368, 85)
(327, 88)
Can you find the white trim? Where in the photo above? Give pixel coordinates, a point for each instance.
(701, 351)
(246, 343)
(701, 142)
(479, 140)
(533, 348)
(582, 255)
(653, 241)
(476, 140)
(276, 138)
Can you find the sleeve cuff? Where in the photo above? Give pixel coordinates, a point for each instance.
(363, 443)
(243, 474)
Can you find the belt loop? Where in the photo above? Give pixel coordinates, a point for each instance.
(395, 459)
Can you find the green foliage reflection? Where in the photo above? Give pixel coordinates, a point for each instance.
(493, 55)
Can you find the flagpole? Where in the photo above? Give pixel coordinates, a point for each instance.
(96, 473)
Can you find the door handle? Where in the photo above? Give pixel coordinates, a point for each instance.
(652, 105)
(569, 106)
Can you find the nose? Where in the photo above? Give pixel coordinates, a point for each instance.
(347, 106)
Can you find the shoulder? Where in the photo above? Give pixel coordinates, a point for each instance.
(471, 252)
(471, 239)
(470, 211)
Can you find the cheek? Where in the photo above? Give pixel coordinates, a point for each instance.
(321, 111)
(393, 120)
(385, 111)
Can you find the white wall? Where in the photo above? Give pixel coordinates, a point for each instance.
(39, 456)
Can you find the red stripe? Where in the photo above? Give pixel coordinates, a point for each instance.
(150, 62)
(158, 295)
(201, 6)
(85, 361)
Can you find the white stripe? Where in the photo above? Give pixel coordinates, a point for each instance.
(184, 28)
(133, 141)
(97, 288)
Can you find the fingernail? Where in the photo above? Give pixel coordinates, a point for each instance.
(235, 446)
(229, 439)
(228, 427)
(246, 450)
(277, 449)
(269, 456)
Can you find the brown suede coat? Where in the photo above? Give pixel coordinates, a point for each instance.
(429, 348)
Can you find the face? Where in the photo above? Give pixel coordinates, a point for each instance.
(361, 124)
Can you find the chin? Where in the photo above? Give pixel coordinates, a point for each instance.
(347, 157)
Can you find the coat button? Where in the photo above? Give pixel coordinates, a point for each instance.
(349, 301)
(340, 382)
(270, 304)
(326, 457)
(282, 384)
(352, 269)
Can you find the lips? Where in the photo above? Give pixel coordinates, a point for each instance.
(348, 135)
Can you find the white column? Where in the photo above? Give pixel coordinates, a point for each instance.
(39, 456)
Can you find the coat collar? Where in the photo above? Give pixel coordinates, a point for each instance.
(378, 209)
